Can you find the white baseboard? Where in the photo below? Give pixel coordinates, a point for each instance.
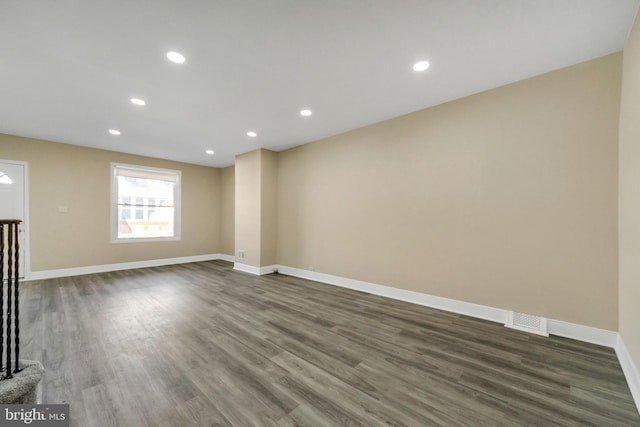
(77, 271)
(258, 271)
(470, 309)
(225, 257)
(582, 333)
(630, 370)
(268, 269)
(555, 327)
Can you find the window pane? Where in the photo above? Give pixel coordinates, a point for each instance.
(146, 203)
(139, 208)
(151, 208)
(124, 211)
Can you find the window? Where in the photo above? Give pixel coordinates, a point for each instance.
(145, 203)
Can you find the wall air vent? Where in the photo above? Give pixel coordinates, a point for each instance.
(527, 323)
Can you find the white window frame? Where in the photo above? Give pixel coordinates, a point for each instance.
(114, 203)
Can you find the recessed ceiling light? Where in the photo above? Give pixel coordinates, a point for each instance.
(252, 134)
(137, 101)
(176, 57)
(114, 131)
(210, 152)
(305, 113)
(421, 66)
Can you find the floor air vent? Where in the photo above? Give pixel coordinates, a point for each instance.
(527, 323)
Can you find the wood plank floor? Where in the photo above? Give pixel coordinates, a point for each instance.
(202, 345)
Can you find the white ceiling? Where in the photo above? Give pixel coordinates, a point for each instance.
(69, 67)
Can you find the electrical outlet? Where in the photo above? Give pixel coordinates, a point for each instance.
(241, 254)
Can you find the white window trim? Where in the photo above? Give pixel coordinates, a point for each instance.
(114, 204)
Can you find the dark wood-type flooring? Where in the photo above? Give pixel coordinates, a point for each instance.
(200, 344)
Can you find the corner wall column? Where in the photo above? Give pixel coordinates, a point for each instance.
(256, 175)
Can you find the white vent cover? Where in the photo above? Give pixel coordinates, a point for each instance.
(527, 323)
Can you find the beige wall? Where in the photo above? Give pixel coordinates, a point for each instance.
(630, 196)
(227, 210)
(255, 201)
(507, 198)
(269, 198)
(247, 202)
(78, 177)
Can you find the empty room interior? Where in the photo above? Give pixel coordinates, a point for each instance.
(301, 213)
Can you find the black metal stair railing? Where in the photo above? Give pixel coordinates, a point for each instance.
(9, 287)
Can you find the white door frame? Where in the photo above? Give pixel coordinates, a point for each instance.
(26, 262)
